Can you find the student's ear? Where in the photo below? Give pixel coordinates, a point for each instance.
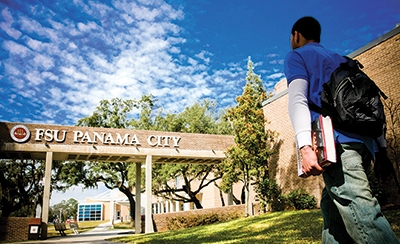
(295, 37)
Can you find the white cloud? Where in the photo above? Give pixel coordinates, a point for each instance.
(87, 27)
(192, 62)
(74, 73)
(33, 26)
(49, 76)
(34, 78)
(127, 18)
(6, 26)
(203, 56)
(273, 55)
(16, 48)
(45, 61)
(126, 51)
(276, 76)
(11, 70)
(34, 44)
(277, 61)
(7, 15)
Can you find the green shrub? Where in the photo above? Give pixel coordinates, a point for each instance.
(271, 198)
(191, 220)
(300, 199)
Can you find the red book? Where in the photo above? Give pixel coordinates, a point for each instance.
(323, 141)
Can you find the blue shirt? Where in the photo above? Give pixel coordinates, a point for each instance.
(315, 64)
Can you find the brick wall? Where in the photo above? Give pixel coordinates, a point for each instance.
(14, 228)
(284, 169)
(382, 64)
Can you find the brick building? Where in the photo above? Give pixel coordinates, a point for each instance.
(381, 60)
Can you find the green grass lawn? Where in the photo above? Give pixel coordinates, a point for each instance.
(279, 227)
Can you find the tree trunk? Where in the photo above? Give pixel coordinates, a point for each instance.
(235, 200)
(246, 188)
(243, 195)
(5, 213)
(9, 208)
(222, 198)
(197, 203)
(192, 196)
(132, 202)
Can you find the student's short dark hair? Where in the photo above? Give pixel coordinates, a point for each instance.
(309, 28)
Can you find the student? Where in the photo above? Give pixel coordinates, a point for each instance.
(351, 214)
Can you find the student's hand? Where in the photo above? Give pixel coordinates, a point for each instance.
(310, 164)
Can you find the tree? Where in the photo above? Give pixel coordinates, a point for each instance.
(113, 114)
(247, 160)
(387, 160)
(393, 140)
(270, 195)
(21, 186)
(166, 186)
(64, 210)
(203, 118)
(200, 118)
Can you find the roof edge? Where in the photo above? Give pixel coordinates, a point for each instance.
(376, 42)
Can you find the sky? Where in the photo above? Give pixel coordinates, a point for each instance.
(59, 59)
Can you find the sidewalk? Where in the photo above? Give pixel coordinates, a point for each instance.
(97, 235)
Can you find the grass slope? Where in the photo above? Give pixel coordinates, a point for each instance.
(280, 227)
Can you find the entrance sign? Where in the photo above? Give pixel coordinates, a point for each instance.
(24, 141)
(50, 135)
(163, 141)
(100, 137)
(105, 138)
(65, 143)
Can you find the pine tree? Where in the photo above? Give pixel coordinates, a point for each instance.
(247, 160)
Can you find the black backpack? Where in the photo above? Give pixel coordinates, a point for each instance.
(353, 101)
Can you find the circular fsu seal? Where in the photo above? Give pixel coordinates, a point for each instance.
(20, 133)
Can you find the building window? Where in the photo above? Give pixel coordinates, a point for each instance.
(90, 212)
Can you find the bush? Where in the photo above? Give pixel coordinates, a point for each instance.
(300, 199)
(271, 198)
(182, 222)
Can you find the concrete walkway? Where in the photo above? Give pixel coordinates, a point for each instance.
(97, 235)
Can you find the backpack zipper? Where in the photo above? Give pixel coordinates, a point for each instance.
(342, 83)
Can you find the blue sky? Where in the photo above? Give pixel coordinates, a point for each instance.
(58, 59)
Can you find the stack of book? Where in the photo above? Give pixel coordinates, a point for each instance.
(323, 143)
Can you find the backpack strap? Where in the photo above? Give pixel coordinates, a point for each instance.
(320, 110)
(315, 108)
(354, 63)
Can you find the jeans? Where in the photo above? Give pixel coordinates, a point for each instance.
(351, 214)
